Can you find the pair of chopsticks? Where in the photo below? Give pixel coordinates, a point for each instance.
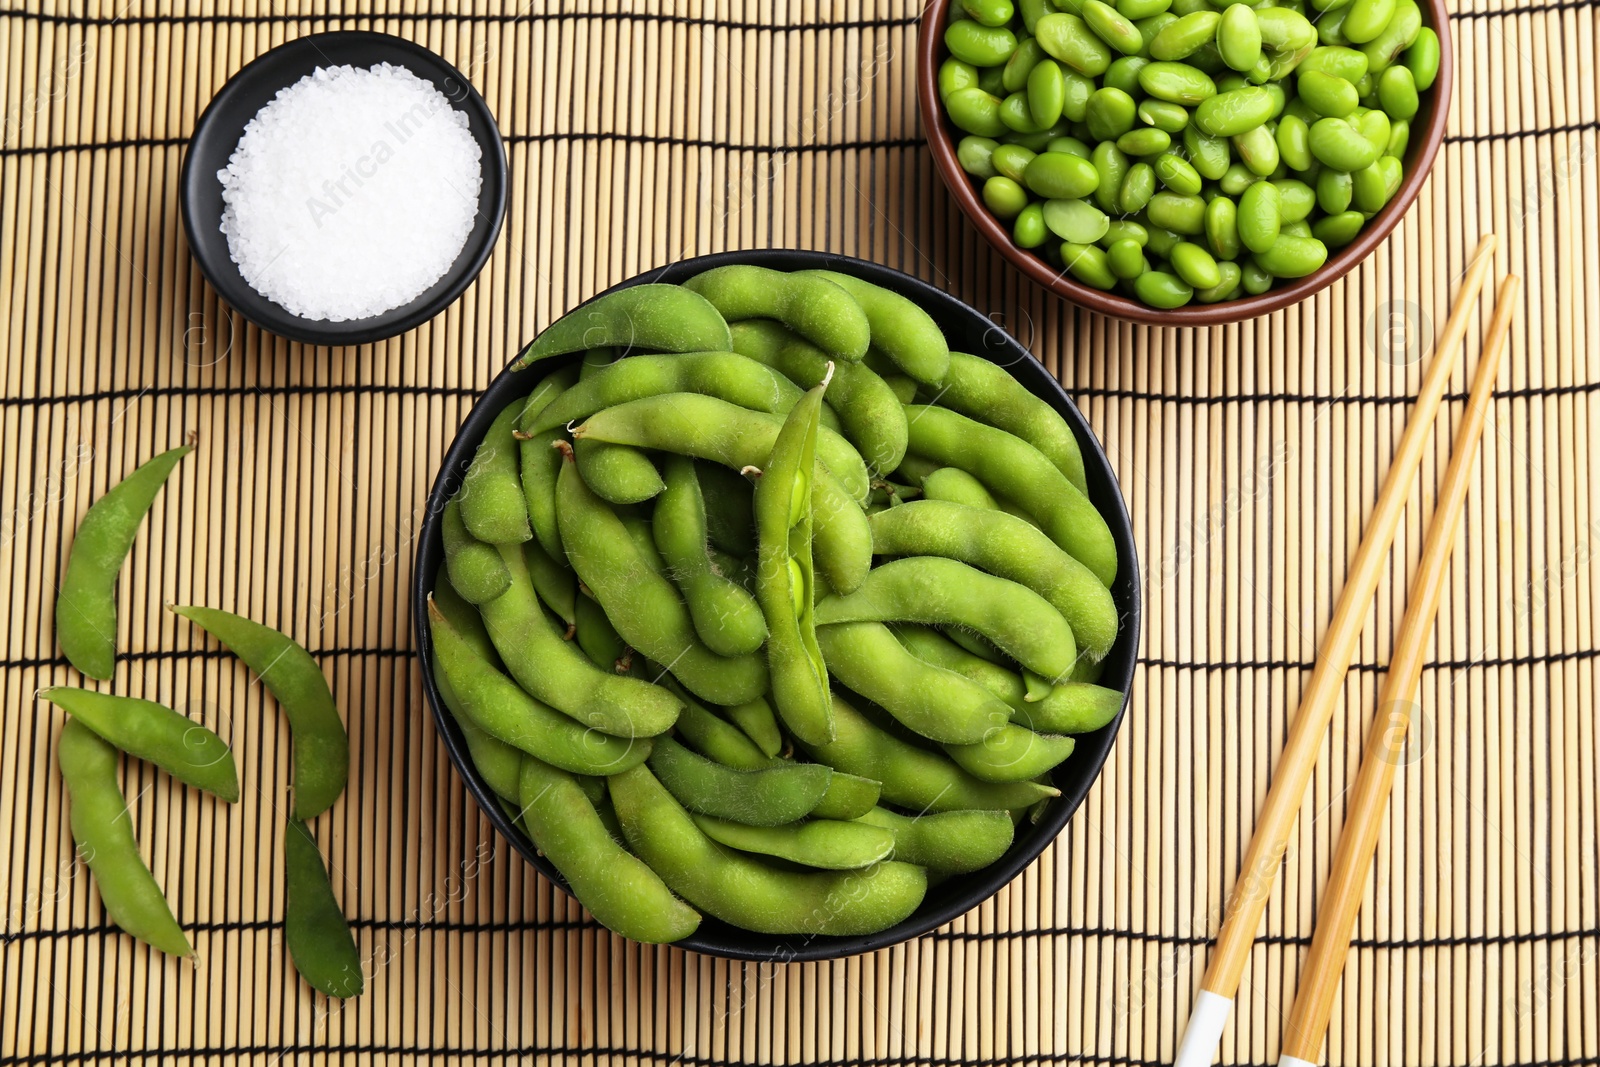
(1336, 912)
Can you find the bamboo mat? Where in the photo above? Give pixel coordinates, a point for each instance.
(640, 134)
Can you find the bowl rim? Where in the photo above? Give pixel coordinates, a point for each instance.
(1074, 777)
(1436, 110)
(238, 294)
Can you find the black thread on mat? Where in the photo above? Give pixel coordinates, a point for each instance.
(1487, 663)
(53, 19)
(1534, 392)
(892, 143)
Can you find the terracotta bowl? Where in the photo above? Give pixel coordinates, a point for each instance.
(1427, 133)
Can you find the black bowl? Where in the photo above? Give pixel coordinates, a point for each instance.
(217, 134)
(968, 330)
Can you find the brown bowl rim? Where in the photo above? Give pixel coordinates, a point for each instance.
(1435, 113)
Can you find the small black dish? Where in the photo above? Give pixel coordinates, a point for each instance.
(968, 330)
(217, 134)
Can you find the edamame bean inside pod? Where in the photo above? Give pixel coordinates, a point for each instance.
(731, 664)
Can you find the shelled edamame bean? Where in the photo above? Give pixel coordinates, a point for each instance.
(1178, 156)
(713, 627)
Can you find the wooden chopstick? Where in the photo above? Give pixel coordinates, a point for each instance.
(1259, 868)
(1369, 797)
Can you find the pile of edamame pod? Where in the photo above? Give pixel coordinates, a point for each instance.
(1180, 150)
(102, 724)
(777, 617)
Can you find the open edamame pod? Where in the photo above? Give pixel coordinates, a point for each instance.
(939, 591)
(900, 329)
(321, 746)
(725, 616)
(987, 392)
(319, 938)
(86, 606)
(499, 707)
(785, 581)
(742, 890)
(725, 375)
(779, 793)
(950, 842)
(1006, 546)
(1012, 754)
(870, 414)
(913, 777)
(938, 704)
(813, 307)
(156, 734)
(642, 604)
(492, 507)
(540, 464)
(826, 844)
(707, 428)
(617, 887)
(667, 318)
(103, 832)
(545, 663)
(1014, 469)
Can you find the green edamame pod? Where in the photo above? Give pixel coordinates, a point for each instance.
(596, 636)
(707, 428)
(938, 704)
(464, 617)
(556, 585)
(618, 888)
(642, 604)
(951, 842)
(502, 709)
(98, 813)
(717, 739)
(321, 746)
(748, 893)
(957, 487)
(946, 592)
(1017, 471)
(476, 569)
(871, 416)
(1012, 754)
(825, 844)
(540, 463)
(785, 582)
(849, 796)
(314, 927)
(726, 617)
(805, 301)
(156, 734)
(728, 375)
(618, 474)
(492, 506)
(594, 361)
(543, 662)
(760, 724)
(900, 329)
(983, 390)
(86, 607)
(667, 318)
(771, 796)
(913, 777)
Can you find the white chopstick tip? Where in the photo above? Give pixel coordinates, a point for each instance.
(1206, 1020)
(1294, 1061)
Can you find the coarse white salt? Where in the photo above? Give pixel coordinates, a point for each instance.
(351, 192)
